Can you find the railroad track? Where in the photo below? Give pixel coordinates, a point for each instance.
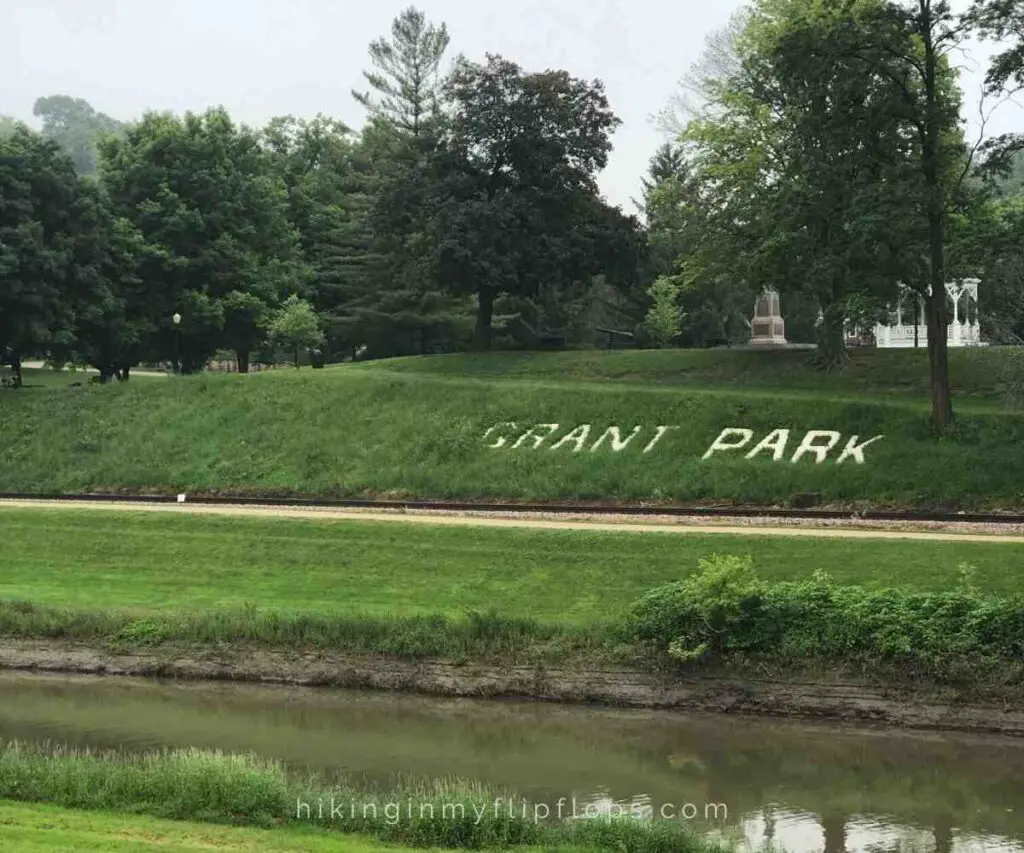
(552, 509)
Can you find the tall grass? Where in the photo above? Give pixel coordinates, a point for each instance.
(246, 790)
(487, 636)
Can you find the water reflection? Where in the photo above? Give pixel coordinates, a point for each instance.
(797, 787)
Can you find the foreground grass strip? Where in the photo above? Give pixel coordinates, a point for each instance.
(149, 562)
(42, 828)
(358, 432)
(245, 790)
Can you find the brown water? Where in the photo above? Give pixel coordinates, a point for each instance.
(803, 787)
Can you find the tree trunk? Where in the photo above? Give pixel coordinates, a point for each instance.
(832, 352)
(931, 156)
(296, 358)
(938, 361)
(124, 373)
(14, 360)
(484, 315)
(243, 360)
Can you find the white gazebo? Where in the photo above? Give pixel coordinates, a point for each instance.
(964, 327)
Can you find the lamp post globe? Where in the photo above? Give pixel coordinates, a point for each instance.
(176, 319)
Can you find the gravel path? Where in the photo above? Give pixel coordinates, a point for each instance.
(848, 529)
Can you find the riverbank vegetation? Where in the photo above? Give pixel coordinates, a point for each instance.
(376, 433)
(725, 612)
(244, 790)
(517, 596)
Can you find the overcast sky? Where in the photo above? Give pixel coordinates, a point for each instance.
(261, 58)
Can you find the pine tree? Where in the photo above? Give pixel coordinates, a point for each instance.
(407, 77)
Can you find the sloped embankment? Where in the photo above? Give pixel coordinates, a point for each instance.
(370, 432)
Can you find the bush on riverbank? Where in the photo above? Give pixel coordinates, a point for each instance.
(726, 611)
(246, 790)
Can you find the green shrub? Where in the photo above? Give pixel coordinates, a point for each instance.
(709, 614)
(725, 611)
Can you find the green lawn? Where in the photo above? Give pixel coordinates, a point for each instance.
(983, 374)
(91, 560)
(43, 828)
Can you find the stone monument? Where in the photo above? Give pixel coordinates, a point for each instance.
(767, 327)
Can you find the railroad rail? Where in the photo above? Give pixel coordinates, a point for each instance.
(716, 511)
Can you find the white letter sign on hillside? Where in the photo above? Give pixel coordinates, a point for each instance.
(537, 434)
(856, 450)
(775, 441)
(745, 436)
(577, 437)
(812, 444)
(618, 442)
(816, 444)
(501, 439)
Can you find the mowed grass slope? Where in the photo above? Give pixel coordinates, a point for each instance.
(148, 562)
(388, 430)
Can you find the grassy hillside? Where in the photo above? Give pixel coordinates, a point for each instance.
(419, 428)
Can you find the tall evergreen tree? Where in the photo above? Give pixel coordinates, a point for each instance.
(406, 80)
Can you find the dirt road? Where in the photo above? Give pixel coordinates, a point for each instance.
(953, 532)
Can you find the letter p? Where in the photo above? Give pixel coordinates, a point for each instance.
(730, 439)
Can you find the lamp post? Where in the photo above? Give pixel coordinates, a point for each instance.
(176, 320)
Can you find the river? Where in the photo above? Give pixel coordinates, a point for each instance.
(803, 787)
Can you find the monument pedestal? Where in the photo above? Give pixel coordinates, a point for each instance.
(767, 328)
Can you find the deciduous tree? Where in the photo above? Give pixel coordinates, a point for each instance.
(41, 201)
(213, 215)
(514, 200)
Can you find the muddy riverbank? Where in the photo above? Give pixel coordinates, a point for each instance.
(822, 698)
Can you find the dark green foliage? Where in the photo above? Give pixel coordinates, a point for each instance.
(216, 244)
(513, 205)
(49, 245)
(726, 611)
